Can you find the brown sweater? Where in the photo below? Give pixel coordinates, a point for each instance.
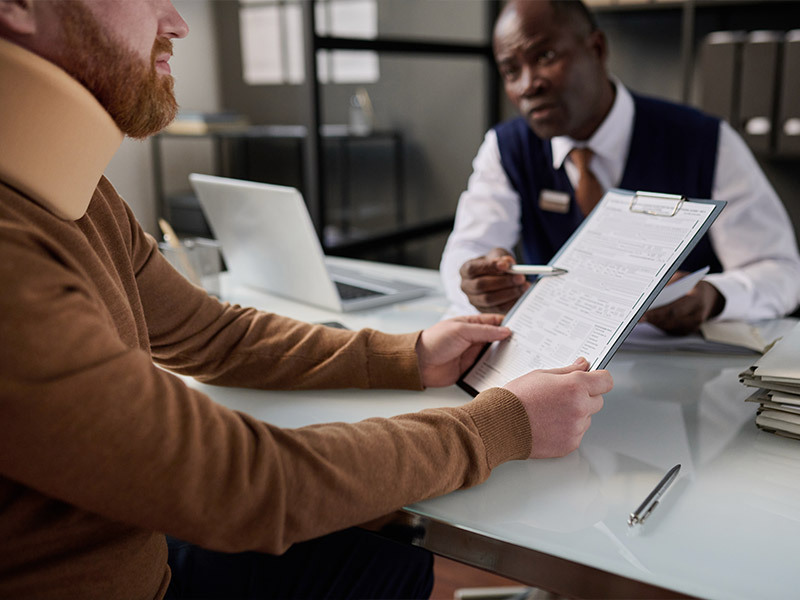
(101, 451)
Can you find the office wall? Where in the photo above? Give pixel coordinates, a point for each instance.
(195, 67)
(644, 51)
(438, 104)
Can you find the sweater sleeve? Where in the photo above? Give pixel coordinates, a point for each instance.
(88, 420)
(122, 439)
(194, 334)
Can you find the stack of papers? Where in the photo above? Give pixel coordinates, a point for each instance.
(777, 376)
(722, 337)
(717, 337)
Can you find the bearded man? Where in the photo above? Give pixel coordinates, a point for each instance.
(102, 453)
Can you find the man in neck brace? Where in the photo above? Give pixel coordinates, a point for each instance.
(103, 454)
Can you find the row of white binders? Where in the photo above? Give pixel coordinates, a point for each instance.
(752, 80)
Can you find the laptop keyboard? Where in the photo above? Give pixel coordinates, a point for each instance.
(348, 292)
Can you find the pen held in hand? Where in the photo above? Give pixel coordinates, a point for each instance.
(541, 270)
(638, 516)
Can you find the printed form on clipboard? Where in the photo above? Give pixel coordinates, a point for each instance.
(617, 262)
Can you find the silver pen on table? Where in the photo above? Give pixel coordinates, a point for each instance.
(543, 270)
(645, 508)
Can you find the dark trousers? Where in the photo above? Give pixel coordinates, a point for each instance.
(353, 563)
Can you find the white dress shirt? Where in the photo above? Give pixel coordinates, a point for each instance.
(753, 236)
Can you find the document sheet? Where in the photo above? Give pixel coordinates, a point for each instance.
(679, 288)
(616, 263)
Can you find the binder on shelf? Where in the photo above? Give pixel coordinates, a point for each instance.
(758, 89)
(788, 134)
(720, 69)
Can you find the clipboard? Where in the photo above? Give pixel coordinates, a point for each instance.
(617, 262)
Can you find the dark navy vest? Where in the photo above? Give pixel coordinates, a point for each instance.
(673, 150)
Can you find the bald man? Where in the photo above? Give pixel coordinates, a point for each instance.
(575, 118)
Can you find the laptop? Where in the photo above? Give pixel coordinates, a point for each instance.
(269, 242)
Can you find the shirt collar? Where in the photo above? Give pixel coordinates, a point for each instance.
(62, 137)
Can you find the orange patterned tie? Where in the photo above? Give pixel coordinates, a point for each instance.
(589, 190)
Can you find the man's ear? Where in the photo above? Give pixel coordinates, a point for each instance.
(599, 45)
(17, 18)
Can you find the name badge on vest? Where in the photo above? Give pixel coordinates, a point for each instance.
(554, 201)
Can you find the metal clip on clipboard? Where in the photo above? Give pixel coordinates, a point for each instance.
(639, 204)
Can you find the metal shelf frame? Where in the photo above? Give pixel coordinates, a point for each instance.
(314, 165)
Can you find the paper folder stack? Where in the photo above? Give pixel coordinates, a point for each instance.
(777, 376)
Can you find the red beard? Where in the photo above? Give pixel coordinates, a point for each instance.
(139, 99)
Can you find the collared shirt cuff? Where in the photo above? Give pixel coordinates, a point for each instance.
(735, 294)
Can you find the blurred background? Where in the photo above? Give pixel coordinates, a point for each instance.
(375, 109)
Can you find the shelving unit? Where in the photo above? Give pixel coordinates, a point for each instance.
(698, 18)
(419, 181)
(687, 33)
(314, 165)
(661, 41)
(231, 151)
(686, 24)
